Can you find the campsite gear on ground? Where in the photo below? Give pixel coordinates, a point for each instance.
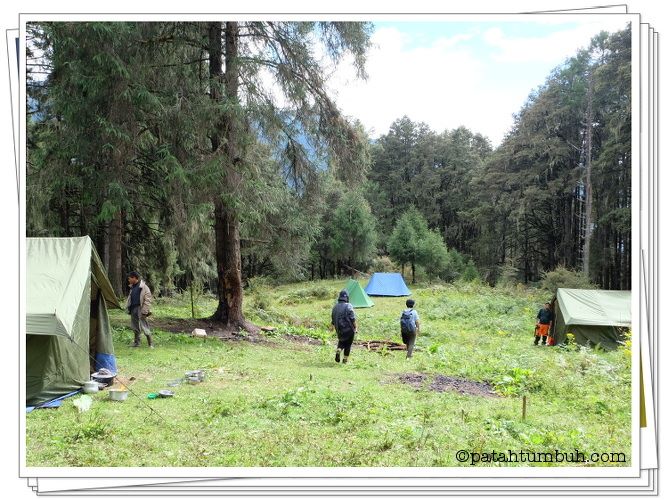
(152, 395)
(54, 403)
(550, 340)
(104, 376)
(357, 297)
(118, 394)
(387, 284)
(165, 393)
(83, 403)
(198, 374)
(91, 386)
(594, 317)
(193, 380)
(67, 325)
(174, 383)
(198, 332)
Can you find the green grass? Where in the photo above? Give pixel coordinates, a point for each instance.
(289, 404)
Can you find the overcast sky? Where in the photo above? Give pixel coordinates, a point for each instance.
(448, 74)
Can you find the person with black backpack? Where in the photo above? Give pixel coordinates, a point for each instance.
(345, 323)
(410, 326)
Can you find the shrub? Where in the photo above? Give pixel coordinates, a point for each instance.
(516, 382)
(383, 265)
(509, 276)
(470, 272)
(562, 277)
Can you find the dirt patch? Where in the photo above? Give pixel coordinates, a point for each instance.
(213, 329)
(442, 383)
(413, 379)
(302, 339)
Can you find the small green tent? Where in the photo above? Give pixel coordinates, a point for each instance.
(357, 295)
(67, 325)
(595, 317)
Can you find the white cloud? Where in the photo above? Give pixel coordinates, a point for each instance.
(459, 80)
(554, 47)
(430, 83)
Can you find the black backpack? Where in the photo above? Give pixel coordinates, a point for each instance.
(343, 323)
(407, 323)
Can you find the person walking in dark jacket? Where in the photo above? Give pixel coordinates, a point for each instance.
(345, 323)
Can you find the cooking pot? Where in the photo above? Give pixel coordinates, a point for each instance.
(91, 386)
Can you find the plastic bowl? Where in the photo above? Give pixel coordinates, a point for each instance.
(165, 393)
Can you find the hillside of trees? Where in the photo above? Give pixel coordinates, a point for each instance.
(165, 142)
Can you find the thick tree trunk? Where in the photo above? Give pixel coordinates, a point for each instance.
(115, 253)
(226, 219)
(228, 258)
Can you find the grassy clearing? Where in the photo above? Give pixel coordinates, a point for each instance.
(289, 404)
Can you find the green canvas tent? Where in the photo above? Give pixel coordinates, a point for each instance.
(67, 325)
(595, 317)
(357, 295)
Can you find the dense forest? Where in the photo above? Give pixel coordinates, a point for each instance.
(207, 154)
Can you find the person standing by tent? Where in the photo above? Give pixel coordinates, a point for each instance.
(545, 318)
(139, 308)
(410, 327)
(345, 323)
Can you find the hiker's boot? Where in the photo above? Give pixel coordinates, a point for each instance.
(544, 340)
(150, 341)
(337, 357)
(137, 341)
(536, 339)
(345, 359)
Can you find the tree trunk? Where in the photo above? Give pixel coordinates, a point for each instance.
(228, 258)
(115, 253)
(413, 271)
(226, 219)
(588, 189)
